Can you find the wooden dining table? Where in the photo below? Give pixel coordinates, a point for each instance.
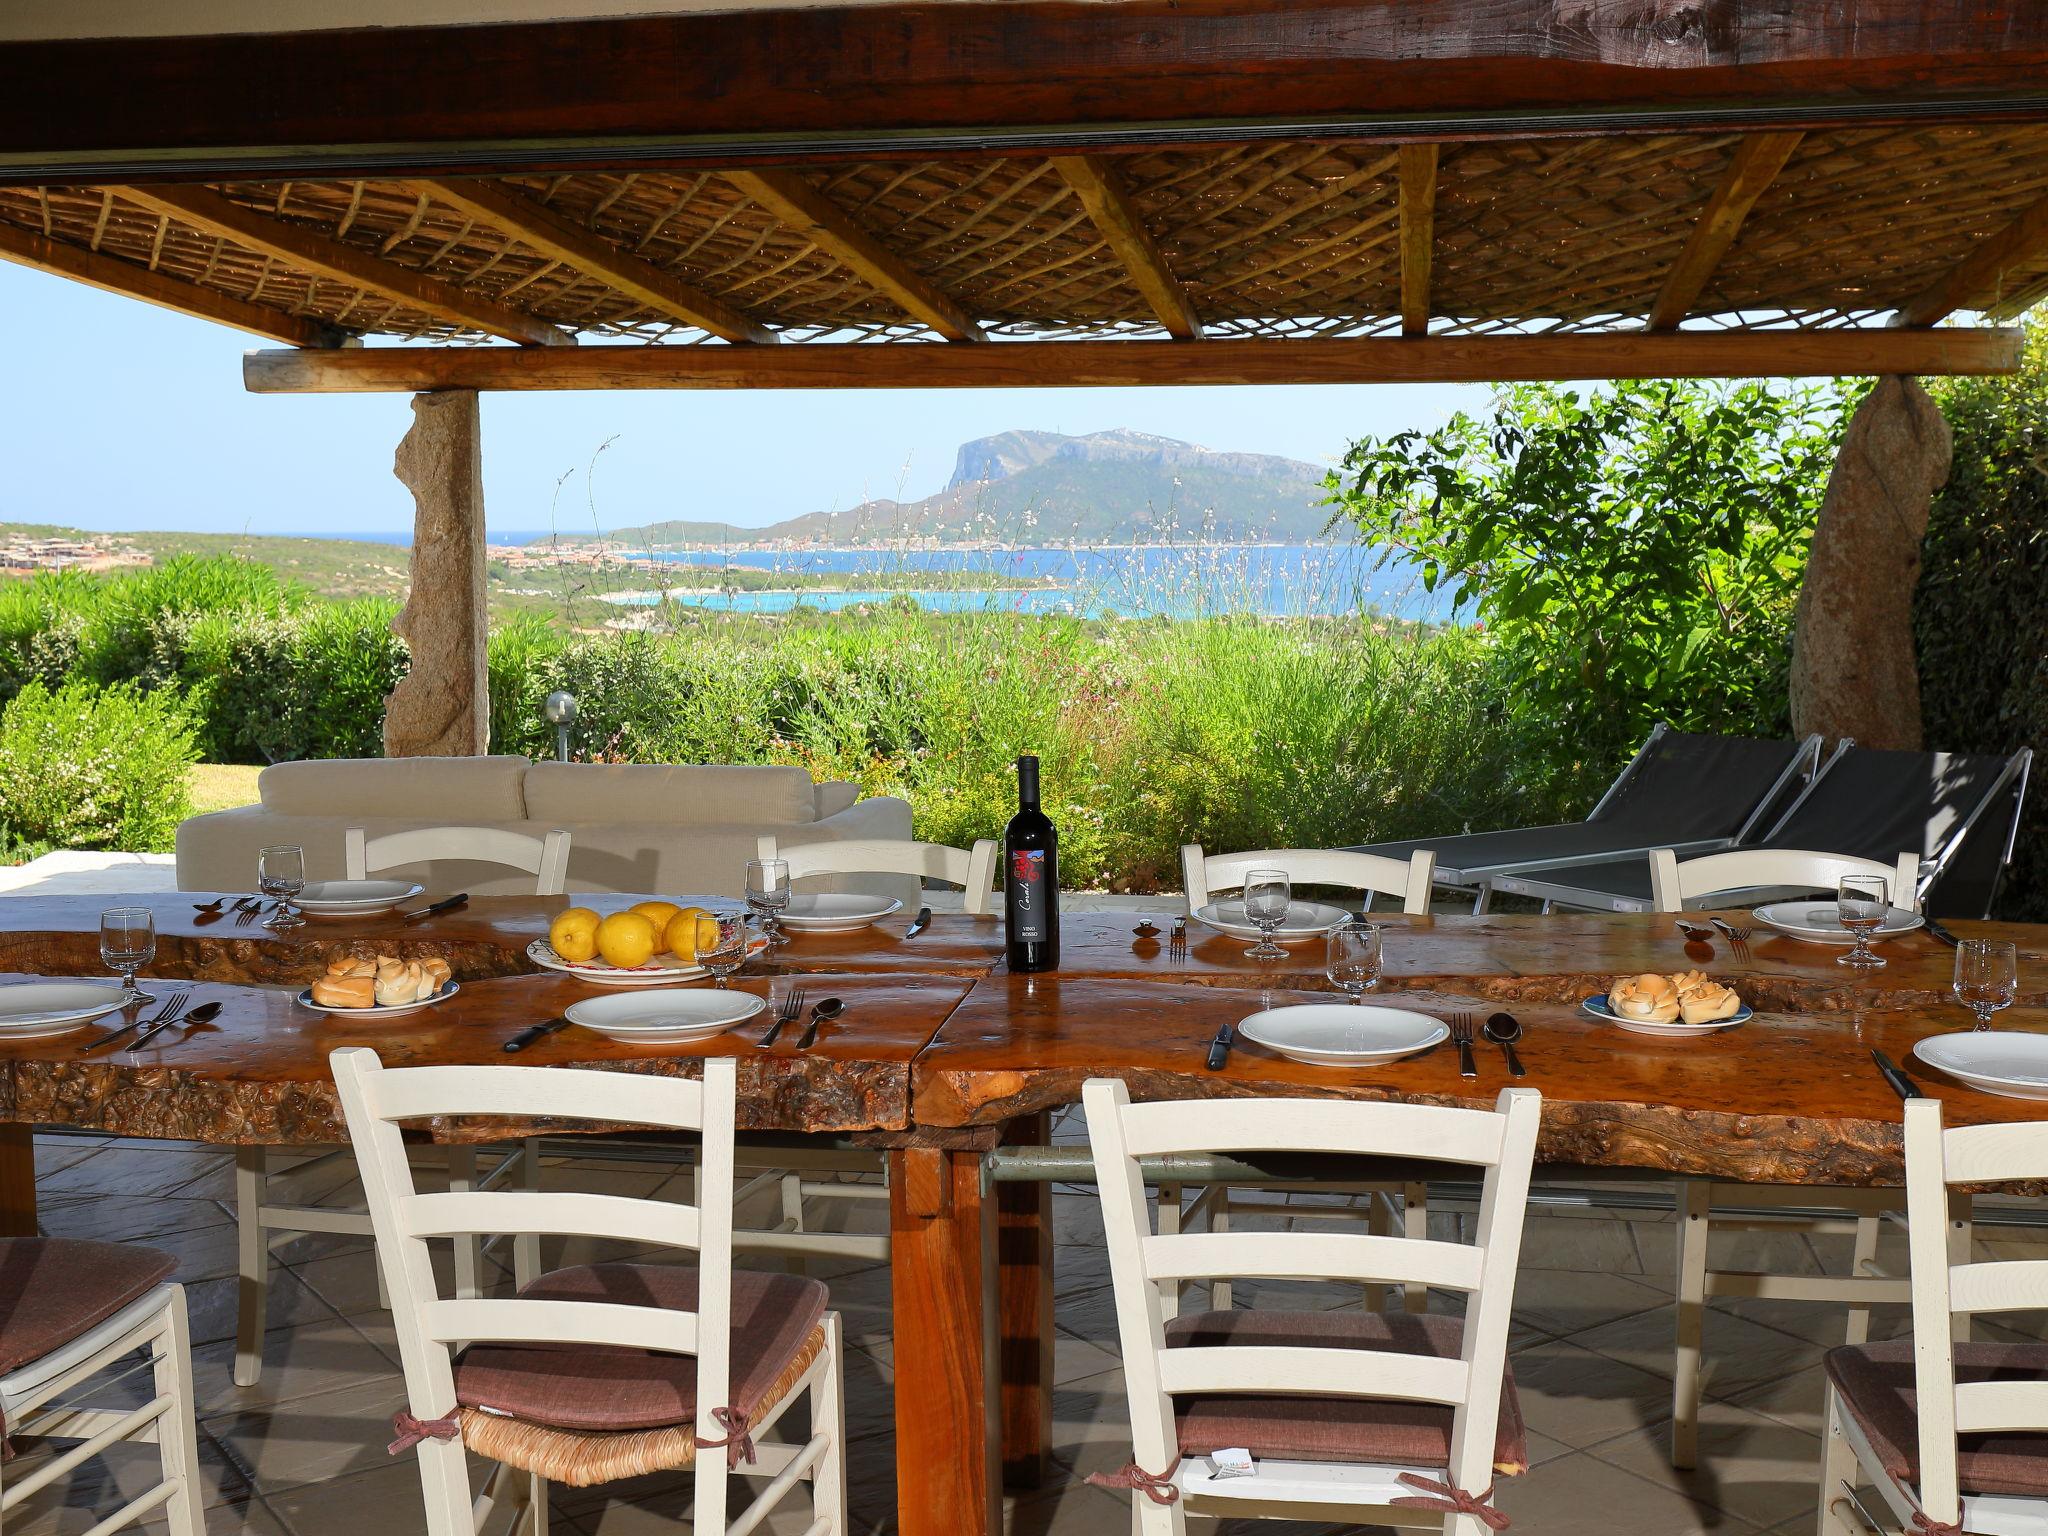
(942, 1056)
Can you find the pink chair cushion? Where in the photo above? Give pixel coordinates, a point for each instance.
(1367, 1429)
(52, 1289)
(1876, 1383)
(603, 1387)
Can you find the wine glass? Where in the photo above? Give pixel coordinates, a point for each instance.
(768, 895)
(1862, 903)
(1987, 976)
(729, 952)
(281, 874)
(1267, 896)
(128, 943)
(1352, 959)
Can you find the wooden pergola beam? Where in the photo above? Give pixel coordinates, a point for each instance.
(1025, 365)
(1418, 234)
(801, 207)
(1758, 159)
(542, 229)
(324, 256)
(1979, 280)
(1115, 216)
(113, 275)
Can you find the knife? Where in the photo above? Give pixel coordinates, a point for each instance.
(449, 905)
(1939, 932)
(1219, 1048)
(527, 1036)
(1902, 1085)
(918, 924)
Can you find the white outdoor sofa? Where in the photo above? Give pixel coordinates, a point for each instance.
(676, 830)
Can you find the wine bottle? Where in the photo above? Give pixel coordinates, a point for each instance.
(1031, 879)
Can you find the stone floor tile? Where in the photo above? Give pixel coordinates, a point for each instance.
(1599, 1247)
(211, 1305)
(312, 1439)
(1580, 1494)
(138, 1170)
(385, 1498)
(1563, 1302)
(1581, 1398)
(123, 1218)
(1737, 1353)
(317, 1357)
(1752, 1466)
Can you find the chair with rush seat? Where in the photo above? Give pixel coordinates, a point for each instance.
(1363, 1417)
(602, 1371)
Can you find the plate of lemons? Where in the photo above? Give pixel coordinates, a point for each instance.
(650, 944)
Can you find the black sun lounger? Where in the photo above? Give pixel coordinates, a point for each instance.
(1691, 792)
(1960, 811)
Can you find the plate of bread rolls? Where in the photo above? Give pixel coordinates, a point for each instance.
(1683, 1004)
(380, 984)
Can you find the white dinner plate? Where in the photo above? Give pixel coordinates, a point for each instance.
(1598, 1007)
(2007, 1062)
(1815, 922)
(379, 1010)
(1305, 920)
(1343, 1034)
(35, 1010)
(661, 971)
(355, 898)
(827, 913)
(666, 1017)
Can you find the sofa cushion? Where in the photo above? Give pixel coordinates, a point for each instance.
(451, 791)
(664, 794)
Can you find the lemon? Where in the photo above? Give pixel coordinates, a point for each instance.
(573, 935)
(659, 913)
(690, 930)
(625, 939)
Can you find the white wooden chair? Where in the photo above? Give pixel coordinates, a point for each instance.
(257, 1215)
(972, 869)
(1702, 1206)
(1954, 1436)
(1367, 874)
(71, 1312)
(545, 858)
(711, 1358)
(1293, 1387)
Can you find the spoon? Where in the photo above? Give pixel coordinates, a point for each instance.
(829, 1008)
(1696, 937)
(1504, 1029)
(201, 1017)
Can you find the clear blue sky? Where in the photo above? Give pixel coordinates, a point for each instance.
(119, 415)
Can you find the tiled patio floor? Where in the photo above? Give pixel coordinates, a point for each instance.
(303, 1453)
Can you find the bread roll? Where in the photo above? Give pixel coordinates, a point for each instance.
(438, 973)
(1706, 1001)
(344, 991)
(400, 982)
(351, 965)
(1649, 997)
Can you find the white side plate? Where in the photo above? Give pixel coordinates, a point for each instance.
(828, 913)
(1305, 920)
(2007, 1062)
(355, 898)
(1597, 1007)
(34, 1010)
(1815, 922)
(666, 1017)
(379, 1010)
(1343, 1034)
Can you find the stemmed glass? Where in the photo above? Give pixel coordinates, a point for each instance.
(1352, 959)
(281, 875)
(1987, 976)
(729, 953)
(1267, 896)
(127, 944)
(1861, 904)
(768, 895)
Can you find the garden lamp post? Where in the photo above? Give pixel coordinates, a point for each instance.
(560, 709)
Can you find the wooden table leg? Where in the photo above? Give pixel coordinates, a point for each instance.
(942, 1258)
(17, 1181)
(1024, 1255)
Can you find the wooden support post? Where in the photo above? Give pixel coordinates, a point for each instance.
(17, 1181)
(1418, 234)
(442, 707)
(1024, 1314)
(943, 1262)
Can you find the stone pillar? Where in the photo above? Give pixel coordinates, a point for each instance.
(442, 707)
(1854, 672)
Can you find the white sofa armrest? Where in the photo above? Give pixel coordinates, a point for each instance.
(835, 796)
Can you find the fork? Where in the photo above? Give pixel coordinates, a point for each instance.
(1738, 938)
(246, 910)
(792, 1006)
(1177, 942)
(1461, 1036)
(170, 1008)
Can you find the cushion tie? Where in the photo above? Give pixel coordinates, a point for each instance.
(1442, 1493)
(1922, 1523)
(1159, 1487)
(738, 1445)
(412, 1431)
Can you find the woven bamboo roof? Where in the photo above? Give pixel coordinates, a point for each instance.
(1275, 238)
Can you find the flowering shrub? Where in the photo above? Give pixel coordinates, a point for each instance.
(92, 768)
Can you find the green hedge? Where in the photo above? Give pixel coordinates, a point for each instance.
(87, 767)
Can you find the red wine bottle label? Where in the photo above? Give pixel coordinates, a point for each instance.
(1027, 895)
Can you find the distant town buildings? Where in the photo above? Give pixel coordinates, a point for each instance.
(23, 556)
